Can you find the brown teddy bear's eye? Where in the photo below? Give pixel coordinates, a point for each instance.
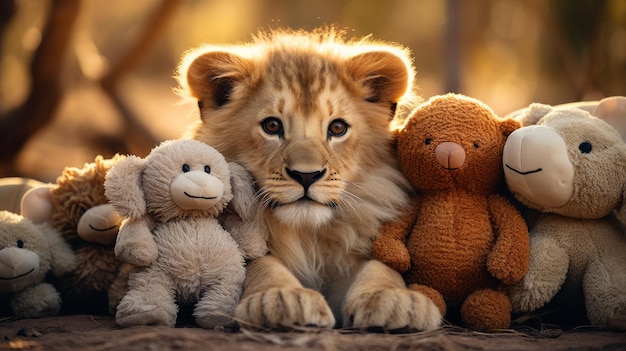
(20, 244)
(585, 147)
(476, 145)
(428, 141)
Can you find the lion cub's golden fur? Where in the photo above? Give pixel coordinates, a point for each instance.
(308, 114)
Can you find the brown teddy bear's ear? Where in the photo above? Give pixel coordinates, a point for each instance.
(386, 76)
(211, 76)
(509, 125)
(123, 187)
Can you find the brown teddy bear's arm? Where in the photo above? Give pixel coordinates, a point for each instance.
(508, 260)
(390, 245)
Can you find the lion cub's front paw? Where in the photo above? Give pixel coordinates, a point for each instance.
(392, 309)
(286, 307)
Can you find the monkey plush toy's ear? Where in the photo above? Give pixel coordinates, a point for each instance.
(243, 202)
(123, 187)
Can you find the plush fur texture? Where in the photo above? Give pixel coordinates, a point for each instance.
(571, 168)
(28, 253)
(77, 207)
(461, 240)
(308, 114)
(171, 200)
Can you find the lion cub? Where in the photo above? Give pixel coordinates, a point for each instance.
(308, 114)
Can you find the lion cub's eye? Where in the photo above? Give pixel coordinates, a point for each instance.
(337, 128)
(272, 126)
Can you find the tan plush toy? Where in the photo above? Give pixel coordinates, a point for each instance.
(29, 252)
(461, 242)
(171, 200)
(77, 207)
(571, 168)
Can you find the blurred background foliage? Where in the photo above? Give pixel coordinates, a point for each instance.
(105, 84)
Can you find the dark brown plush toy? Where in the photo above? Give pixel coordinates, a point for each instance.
(77, 207)
(461, 241)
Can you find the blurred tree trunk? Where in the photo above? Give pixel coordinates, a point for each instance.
(38, 110)
(136, 138)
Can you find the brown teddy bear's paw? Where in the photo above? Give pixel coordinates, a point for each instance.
(392, 309)
(285, 308)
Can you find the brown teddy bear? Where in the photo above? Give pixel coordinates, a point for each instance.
(77, 207)
(461, 241)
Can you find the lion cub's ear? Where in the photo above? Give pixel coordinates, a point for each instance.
(385, 76)
(212, 76)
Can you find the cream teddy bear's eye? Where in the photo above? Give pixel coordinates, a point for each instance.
(585, 147)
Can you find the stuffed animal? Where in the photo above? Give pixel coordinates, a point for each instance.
(461, 241)
(571, 168)
(12, 189)
(28, 252)
(77, 207)
(171, 200)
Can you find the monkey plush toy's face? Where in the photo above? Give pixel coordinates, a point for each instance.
(179, 179)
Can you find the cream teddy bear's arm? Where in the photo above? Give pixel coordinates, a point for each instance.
(135, 243)
(547, 271)
(508, 260)
(390, 245)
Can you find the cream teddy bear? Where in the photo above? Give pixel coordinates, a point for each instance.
(28, 252)
(171, 200)
(571, 168)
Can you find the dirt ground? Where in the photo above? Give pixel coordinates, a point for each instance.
(91, 333)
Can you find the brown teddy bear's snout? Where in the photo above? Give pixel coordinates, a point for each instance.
(450, 155)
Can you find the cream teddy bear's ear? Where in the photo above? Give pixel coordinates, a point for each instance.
(123, 187)
(534, 112)
(613, 111)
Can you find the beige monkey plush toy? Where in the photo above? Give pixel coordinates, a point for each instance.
(171, 200)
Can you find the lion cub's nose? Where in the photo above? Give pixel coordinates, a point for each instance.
(306, 179)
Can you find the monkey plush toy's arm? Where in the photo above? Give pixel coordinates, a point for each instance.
(135, 243)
